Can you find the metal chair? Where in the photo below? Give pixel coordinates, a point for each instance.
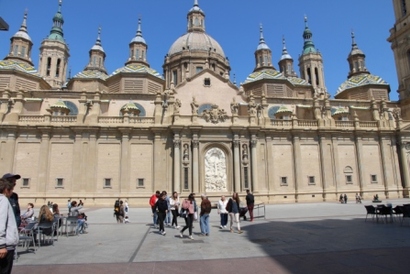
(45, 229)
(371, 210)
(26, 237)
(71, 222)
(385, 211)
(406, 212)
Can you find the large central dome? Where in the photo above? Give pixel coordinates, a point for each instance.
(196, 41)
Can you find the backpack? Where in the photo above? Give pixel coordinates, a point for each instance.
(117, 207)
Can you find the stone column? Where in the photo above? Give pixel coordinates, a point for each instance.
(327, 164)
(79, 163)
(404, 154)
(177, 163)
(296, 161)
(91, 160)
(236, 164)
(43, 164)
(157, 160)
(195, 164)
(255, 187)
(125, 182)
(358, 145)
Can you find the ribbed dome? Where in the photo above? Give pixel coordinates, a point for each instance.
(196, 41)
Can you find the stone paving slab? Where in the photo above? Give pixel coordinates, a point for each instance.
(320, 237)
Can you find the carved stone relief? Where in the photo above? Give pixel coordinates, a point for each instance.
(215, 170)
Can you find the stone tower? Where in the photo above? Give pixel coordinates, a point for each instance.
(311, 63)
(54, 53)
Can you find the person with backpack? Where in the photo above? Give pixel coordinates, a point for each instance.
(117, 208)
(161, 207)
(189, 206)
(152, 201)
(250, 202)
(204, 219)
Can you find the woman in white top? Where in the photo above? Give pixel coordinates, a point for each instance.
(174, 203)
(223, 212)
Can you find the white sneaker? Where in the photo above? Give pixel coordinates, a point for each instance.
(163, 233)
(177, 227)
(190, 236)
(181, 235)
(221, 227)
(224, 226)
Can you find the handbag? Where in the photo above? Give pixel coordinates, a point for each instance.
(183, 213)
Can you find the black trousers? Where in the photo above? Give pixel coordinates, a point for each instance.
(6, 264)
(174, 217)
(161, 218)
(188, 223)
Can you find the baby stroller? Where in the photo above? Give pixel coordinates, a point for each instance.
(242, 212)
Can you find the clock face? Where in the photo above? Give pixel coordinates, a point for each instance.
(407, 146)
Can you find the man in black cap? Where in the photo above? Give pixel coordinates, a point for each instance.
(14, 198)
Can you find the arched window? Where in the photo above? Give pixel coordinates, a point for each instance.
(403, 7)
(72, 107)
(203, 107)
(16, 50)
(141, 108)
(48, 66)
(137, 54)
(272, 111)
(58, 67)
(317, 77)
(309, 76)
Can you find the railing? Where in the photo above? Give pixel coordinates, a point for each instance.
(307, 123)
(64, 119)
(344, 124)
(141, 120)
(368, 124)
(31, 118)
(282, 123)
(260, 211)
(110, 120)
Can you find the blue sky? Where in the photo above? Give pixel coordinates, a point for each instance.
(233, 23)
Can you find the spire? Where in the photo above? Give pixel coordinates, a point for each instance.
(308, 46)
(356, 59)
(138, 36)
(56, 32)
(98, 45)
(22, 32)
(262, 43)
(285, 54)
(196, 18)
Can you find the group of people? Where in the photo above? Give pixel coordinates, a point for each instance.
(343, 198)
(121, 211)
(163, 207)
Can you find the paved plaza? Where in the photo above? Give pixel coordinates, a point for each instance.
(293, 238)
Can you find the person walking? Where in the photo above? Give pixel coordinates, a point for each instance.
(161, 207)
(14, 198)
(189, 205)
(152, 201)
(345, 198)
(233, 209)
(204, 215)
(250, 202)
(222, 203)
(9, 236)
(174, 206)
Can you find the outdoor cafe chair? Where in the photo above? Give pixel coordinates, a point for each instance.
(406, 212)
(371, 210)
(71, 222)
(45, 230)
(385, 211)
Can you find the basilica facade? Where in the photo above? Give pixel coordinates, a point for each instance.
(101, 135)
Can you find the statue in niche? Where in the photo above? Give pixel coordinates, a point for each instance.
(234, 107)
(185, 156)
(397, 113)
(177, 106)
(194, 106)
(252, 107)
(215, 170)
(245, 157)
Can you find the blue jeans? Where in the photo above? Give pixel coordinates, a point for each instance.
(224, 219)
(154, 216)
(204, 220)
(168, 218)
(80, 226)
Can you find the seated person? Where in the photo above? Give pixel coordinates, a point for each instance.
(56, 212)
(75, 211)
(82, 223)
(45, 215)
(26, 216)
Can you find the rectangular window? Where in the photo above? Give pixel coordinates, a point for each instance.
(199, 69)
(175, 77)
(26, 183)
(311, 180)
(186, 185)
(207, 82)
(16, 50)
(246, 177)
(140, 182)
(403, 7)
(349, 179)
(60, 182)
(107, 182)
(283, 181)
(374, 178)
(23, 51)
